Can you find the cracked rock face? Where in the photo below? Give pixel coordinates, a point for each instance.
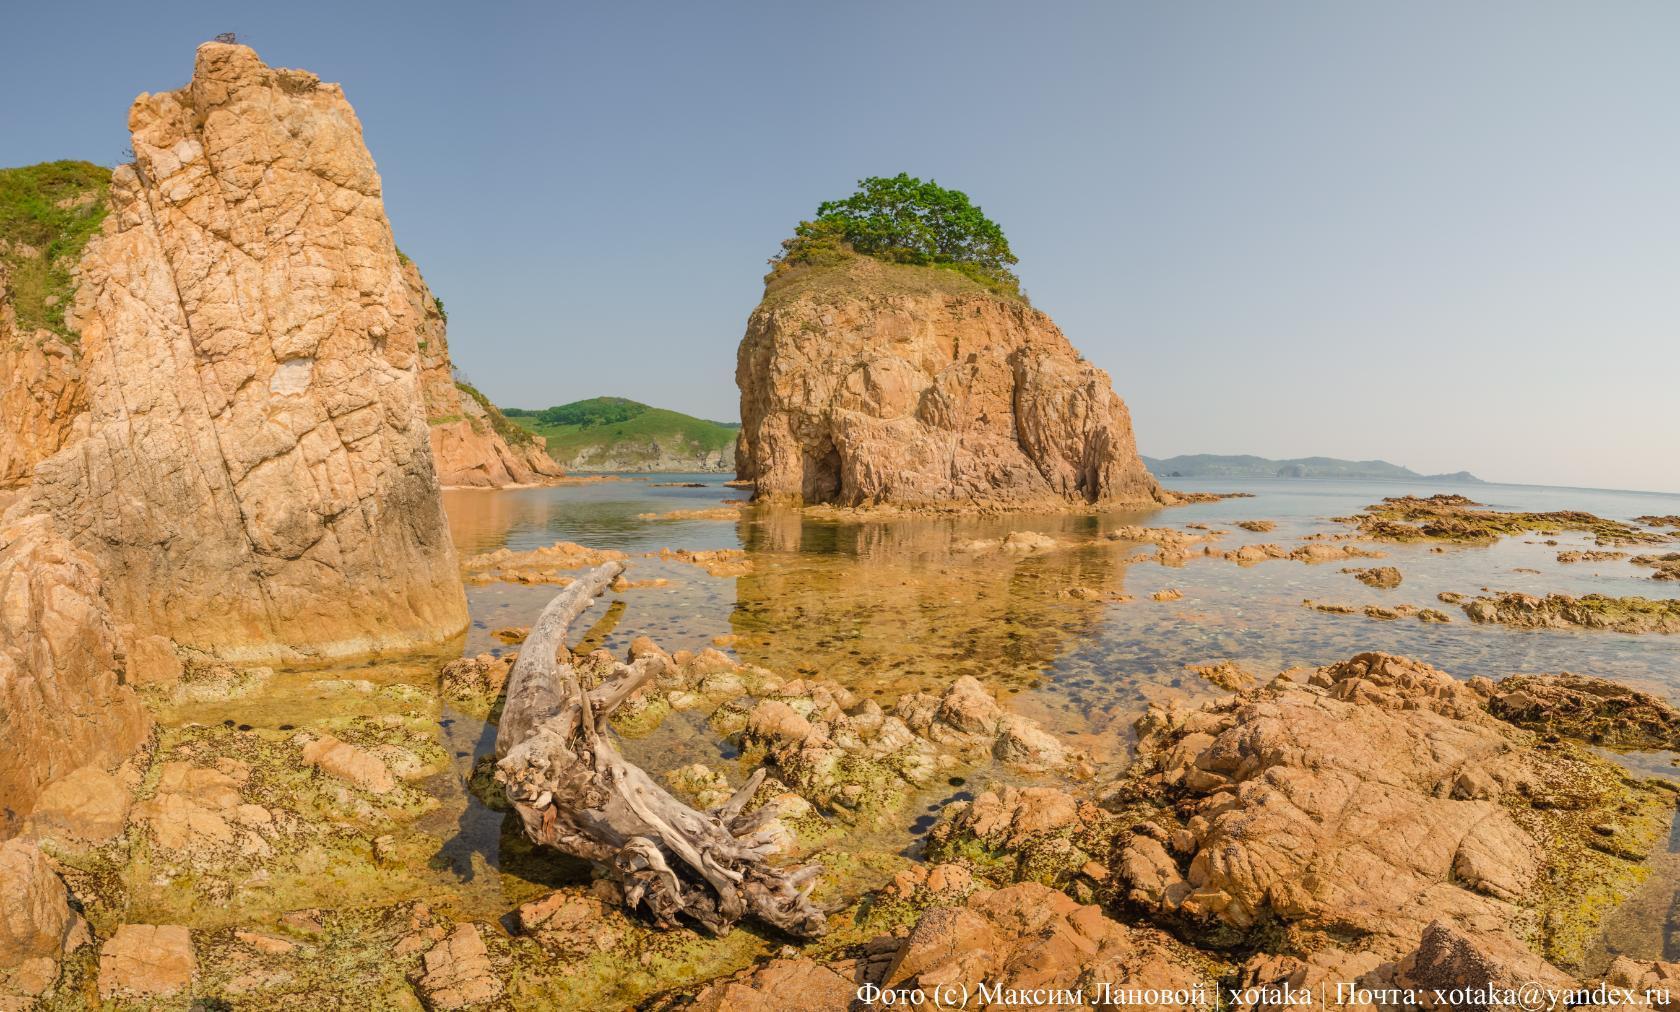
(874, 383)
(255, 480)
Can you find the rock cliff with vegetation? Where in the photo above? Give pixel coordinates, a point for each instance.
(256, 456)
(48, 213)
(899, 364)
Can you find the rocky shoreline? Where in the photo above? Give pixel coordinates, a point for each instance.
(1374, 823)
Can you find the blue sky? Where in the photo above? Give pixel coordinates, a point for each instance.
(1444, 234)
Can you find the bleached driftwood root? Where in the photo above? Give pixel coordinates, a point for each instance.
(574, 792)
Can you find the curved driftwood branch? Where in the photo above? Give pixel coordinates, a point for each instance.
(573, 791)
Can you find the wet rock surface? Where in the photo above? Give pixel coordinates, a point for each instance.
(1588, 709)
(1457, 519)
(1564, 611)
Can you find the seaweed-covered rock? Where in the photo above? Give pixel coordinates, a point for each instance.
(1460, 520)
(1381, 577)
(1563, 611)
(1590, 709)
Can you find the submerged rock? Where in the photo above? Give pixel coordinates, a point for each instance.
(1381, 577)
(870, 383)
(715, 561)
(547, 564)
(1666, 566)
(1571, 557)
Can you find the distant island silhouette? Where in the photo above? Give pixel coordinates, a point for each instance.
(1216, 465)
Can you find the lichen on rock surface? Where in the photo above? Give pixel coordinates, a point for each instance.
(249, 345)
(869, 383)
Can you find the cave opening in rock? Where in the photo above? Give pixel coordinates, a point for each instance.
(820, 482)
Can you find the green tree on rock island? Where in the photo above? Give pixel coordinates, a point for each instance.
(905, 220)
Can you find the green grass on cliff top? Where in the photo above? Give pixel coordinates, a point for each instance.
(848, 275)
(629, 425)
(52, 209)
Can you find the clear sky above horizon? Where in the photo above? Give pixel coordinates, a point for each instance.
(1442, 234)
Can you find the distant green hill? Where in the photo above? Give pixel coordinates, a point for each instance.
(1213, 465)
(617, 434)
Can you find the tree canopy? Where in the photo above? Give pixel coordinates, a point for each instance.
(907, 220)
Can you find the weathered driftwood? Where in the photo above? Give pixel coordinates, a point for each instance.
(574, 792)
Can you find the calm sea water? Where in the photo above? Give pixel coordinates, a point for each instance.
(860, 601)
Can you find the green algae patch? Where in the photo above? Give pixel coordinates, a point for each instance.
(1595, 827)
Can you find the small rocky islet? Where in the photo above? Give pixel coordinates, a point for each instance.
(245, 761)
